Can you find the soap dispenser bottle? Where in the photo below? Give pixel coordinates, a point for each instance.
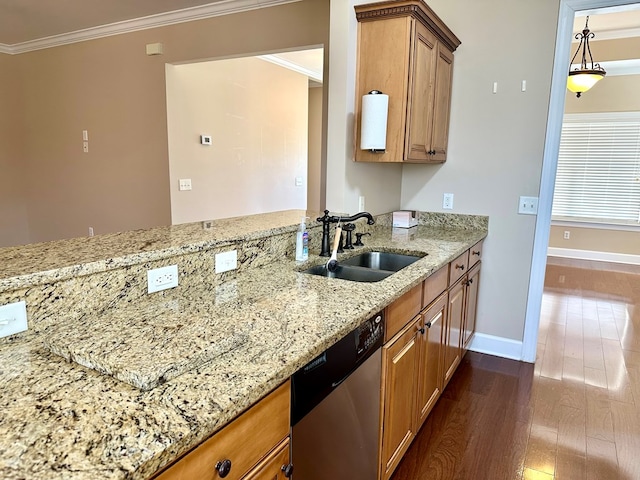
(302, 241)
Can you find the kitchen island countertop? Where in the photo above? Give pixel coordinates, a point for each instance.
(62, 420)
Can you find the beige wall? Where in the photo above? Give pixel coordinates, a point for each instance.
(14, 229)
(496, 142)
(595, 239)
(112, 89)
(347, 180)
(611, 94)
(257, 115)
(314, 172)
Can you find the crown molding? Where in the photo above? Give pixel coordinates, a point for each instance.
(615, 68)
(616, 34)
(201, 12)
(274, 58)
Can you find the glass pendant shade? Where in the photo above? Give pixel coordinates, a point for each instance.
(580, 81)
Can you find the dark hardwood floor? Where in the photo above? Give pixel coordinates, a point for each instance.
(575, 414)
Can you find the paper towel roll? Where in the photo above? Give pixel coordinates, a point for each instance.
(373, 131)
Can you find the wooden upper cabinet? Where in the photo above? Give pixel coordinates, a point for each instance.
(406, 52)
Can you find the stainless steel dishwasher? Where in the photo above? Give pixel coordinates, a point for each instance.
(335, 408)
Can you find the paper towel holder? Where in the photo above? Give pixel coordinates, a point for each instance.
(373, 131)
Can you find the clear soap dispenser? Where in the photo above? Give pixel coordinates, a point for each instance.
(302, 241)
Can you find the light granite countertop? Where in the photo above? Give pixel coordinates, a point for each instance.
(62, 420)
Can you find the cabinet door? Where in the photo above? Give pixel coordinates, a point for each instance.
(441, 104)
(452, 345)
(383, 64)
(239, 445)
(399, 363)
(275, 466)
(471, 301)
(421, 88)
(430, 374)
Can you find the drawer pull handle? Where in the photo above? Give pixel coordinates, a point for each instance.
(223, 468)
(288, 470)
(461, 267)
(420, 329)
(475, 252)
(428, 324)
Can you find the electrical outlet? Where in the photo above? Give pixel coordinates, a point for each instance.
(447, 201)
(162, 278)
(226, 261)
(13, 318)
(185, 184)
(567, 235)
(361, 203)
(528, 206)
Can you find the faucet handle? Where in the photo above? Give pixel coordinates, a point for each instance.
(359, 236)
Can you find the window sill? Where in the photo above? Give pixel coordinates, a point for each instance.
(595, 224)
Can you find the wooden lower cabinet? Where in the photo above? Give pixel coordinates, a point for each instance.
(429, 365)
(471, 305)
(399, 373)
(252, 445)
(274, 466)
(453, 330)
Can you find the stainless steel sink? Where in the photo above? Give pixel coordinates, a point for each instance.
(366, 267)
(347, 272)
(392, 262)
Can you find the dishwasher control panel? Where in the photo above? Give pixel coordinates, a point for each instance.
(369, 335)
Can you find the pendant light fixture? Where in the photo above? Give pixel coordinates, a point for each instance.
(583, 78)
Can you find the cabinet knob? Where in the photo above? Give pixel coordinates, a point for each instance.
(475, 252)
(420, 329)
(288, 470)
(459, 267)
(428, 324)
(223, 468)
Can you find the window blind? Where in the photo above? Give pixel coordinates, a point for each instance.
(598, 176)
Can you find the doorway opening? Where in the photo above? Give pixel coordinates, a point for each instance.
(244, 135)
(568, 9)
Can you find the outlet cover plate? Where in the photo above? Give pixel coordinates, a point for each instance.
(226, 261)
(162, 278)
(447, 201)
(13, 318)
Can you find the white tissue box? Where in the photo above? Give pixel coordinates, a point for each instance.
(405, 219)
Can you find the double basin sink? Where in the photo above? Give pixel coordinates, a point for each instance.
(366, 267)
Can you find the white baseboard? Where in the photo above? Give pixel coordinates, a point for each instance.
(497, 346)
(592, 255)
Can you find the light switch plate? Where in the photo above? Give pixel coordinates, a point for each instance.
(528, 206)
(226, 261)
(13, 318)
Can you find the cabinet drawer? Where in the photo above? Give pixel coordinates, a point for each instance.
(475, 253)
(243, 442)
(435, 285)
(400, 312)
(458, 267)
